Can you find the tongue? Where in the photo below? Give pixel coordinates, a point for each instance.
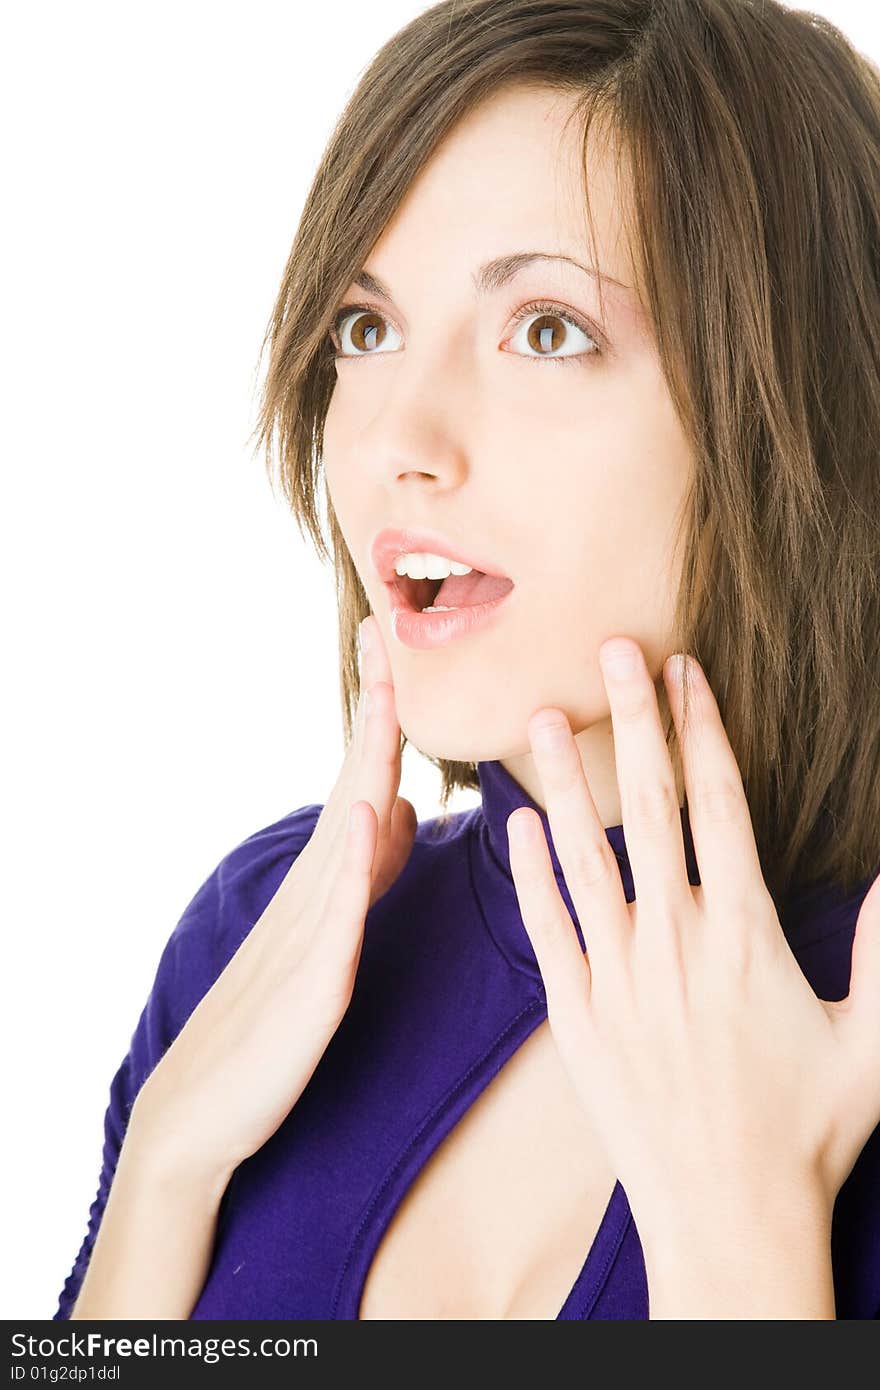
(464, 590)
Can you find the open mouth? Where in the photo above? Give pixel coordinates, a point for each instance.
(456, 591)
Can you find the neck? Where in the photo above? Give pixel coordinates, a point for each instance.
(595, 745)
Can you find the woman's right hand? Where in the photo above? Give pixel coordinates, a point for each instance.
(247, 1051)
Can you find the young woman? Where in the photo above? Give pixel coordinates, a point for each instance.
(579, 341)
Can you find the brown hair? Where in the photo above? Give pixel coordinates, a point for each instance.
(752, 134)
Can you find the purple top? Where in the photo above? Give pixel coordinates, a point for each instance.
(447, 989)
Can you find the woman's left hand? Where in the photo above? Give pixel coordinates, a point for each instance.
(711, 1070)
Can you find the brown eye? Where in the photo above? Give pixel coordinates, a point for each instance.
(360, 333)
(547, 333)
(543, 336)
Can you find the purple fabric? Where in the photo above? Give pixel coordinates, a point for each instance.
(447, 989)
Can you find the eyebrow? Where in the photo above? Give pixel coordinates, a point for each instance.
(495, 274)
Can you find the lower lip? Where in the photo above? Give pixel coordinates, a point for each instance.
(426, 630)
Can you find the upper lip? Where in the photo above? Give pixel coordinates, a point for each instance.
(392, 542)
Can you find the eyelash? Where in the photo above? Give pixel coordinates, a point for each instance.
(536, 306)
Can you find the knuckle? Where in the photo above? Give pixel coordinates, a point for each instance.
(719, 801)
(633, 706)
(553, 930)
(745, 946)
(563, 772)
(751, 902)
(568, 771)
(590, 861)
(653, 807)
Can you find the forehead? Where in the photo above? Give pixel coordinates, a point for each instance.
(509, 178)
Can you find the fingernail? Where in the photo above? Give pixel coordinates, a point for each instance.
(675, 668)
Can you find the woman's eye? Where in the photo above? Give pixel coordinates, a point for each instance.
(549, 331)
(553, 335)
(360, 333)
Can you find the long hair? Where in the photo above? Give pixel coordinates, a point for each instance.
(752, 139)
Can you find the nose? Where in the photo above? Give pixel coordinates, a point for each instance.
(423, 427)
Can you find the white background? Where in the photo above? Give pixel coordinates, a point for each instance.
(170, 641)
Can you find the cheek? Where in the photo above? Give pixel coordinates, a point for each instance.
(339, 457)
(332, 440)
(597, 532)
(349, 434)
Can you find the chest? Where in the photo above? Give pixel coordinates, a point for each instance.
(498, 1222)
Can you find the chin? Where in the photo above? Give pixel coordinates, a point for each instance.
(469, 741)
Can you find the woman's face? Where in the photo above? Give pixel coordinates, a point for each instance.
(555, 455)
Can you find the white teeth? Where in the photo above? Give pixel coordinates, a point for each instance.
(439, 608)
(423, 565)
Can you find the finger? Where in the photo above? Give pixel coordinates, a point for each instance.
(367, 675)
(646, 781)
(718, 811)
(377, 772)
(371, 772)
(363, 752)
(374, 649)
(565, 970)
(585, 855)
(348, 900)
(374, 667)
(381, 739)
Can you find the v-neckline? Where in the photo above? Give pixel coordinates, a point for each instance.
(391, 1190)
